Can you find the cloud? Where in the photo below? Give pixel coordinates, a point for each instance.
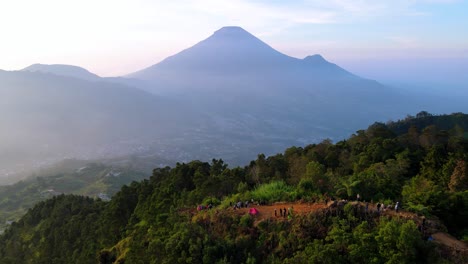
(265, 13)
(440, 1)
(405, 42)
(276, 16)
(57, 31)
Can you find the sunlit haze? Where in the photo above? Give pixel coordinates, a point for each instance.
(233, 131)
(118, 37)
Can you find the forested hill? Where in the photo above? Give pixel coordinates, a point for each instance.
(424, 119)
(155, 220)
(68, 177)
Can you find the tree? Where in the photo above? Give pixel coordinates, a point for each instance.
(315, 172)
(423, 114)
(459, 178)
(413, 135)
(398, 243)
(348, 186)
(421, 194)
(428, 136)
(431, 166)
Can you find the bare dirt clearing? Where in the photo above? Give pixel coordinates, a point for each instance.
(267, 211)
(301, 208)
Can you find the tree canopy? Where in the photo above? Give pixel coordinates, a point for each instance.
(155, 221)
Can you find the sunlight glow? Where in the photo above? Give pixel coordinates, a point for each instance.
(121, 36)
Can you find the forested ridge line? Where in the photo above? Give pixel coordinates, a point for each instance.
(153, 221)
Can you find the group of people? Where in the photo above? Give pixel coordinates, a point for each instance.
(204, 207)
(246, 204)
(382, 207)
(241, 204)
(283, 212)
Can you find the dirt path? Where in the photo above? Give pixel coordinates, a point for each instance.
(267, 211)
(450, 241)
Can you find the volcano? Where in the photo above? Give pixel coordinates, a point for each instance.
(248, 89)
(233, 51)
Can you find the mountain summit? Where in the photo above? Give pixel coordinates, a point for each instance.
(237, 40)
(234, 33)
(316, 59)
(228, 51)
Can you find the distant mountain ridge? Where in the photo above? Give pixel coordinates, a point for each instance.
(63, 70)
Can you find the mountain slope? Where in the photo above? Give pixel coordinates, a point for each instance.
(233, 51)
(248, 88)
(47, 117)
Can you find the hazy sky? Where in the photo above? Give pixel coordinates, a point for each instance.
(114, 37)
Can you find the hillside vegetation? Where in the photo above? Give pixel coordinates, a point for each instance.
(69, 177)
(424, 168)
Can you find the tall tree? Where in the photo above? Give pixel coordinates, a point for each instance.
(459, 178)
(348, 187)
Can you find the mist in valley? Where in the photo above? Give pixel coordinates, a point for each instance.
(230, 96)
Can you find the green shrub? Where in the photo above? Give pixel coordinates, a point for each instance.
(211, 200)
(242, 187)
(246, 221)
(233, 199)
(274, 192)
(418, 208)
(306, 185)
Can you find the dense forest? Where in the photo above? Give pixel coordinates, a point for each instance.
(420, 162)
